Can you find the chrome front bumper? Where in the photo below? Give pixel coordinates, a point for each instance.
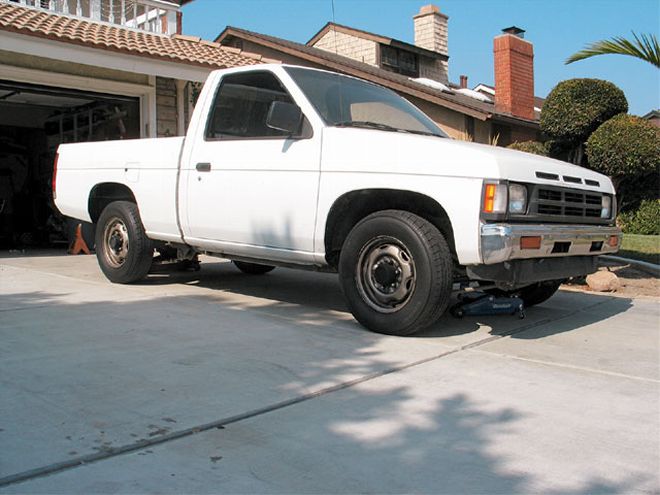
(501, 242)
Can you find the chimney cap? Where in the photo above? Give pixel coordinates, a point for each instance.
(429, 9)
(514, 30)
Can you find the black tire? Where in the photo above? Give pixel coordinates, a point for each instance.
(395, 270)
(540, 292)
(253, 268)
(123, 250)
(532, 294)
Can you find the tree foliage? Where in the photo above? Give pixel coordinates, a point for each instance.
(645, 220)
(627, 148)
(624, 145)
(575, 108)
(534, 147)
(644, 47)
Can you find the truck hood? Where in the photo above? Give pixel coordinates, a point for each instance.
(367, 150)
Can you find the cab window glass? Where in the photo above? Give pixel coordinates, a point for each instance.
(241, 106)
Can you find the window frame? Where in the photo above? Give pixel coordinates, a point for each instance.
(397, 69)
(305, 128)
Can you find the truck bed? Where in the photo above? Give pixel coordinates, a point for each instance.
(148, 167)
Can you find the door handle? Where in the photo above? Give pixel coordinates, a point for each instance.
(203, 167)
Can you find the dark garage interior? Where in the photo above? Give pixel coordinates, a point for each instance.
(34, 121)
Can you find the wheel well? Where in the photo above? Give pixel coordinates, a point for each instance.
(352, 207)
(104, 194)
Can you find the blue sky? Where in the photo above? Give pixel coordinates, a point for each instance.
(556, 27)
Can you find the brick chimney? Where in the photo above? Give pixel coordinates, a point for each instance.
(431, 29)
(514, 73)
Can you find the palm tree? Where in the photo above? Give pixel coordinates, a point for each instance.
(644, 47)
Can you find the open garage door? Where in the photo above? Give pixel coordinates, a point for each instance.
(34, 121)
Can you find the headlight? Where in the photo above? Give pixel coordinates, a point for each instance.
(517, 199)
(606, 207)
(494, 199)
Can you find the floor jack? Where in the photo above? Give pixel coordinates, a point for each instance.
(477, 303)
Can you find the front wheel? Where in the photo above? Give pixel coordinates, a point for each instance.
(123, 250)
(532, 294)
(395, 270)
(540, 292)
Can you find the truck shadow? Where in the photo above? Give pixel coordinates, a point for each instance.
(294, 293)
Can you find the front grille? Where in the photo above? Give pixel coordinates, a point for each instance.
(549, 209)
(563, 205)
(549, 195)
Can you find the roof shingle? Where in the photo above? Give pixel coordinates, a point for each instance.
(180, 49)
(340, 63)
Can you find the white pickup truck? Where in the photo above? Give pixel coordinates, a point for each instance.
(296, 167)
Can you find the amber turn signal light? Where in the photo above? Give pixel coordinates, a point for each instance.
(489, 198)
(530, 242)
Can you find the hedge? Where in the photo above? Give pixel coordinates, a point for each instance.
(575, 108)
(625, 145)
(645, 220)
(534, 147)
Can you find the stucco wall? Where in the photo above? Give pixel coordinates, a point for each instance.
(49, 65)
(453, 123)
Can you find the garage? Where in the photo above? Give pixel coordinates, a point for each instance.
(34, 121)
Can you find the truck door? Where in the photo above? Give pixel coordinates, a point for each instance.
(250, 188)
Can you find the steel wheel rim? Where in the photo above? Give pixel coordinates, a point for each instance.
(115, 242)
(385, 274)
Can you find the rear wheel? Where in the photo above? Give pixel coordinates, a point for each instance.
(123, 250)
(395, 270)
(253, 268)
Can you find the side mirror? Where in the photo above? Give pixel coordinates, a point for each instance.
(286, 117)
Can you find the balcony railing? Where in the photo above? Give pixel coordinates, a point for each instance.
(155, 16)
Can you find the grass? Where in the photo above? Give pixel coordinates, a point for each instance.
(641, 247)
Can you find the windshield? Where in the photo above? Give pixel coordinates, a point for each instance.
(347, 102)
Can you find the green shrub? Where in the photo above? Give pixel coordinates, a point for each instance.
(627, 148)
(624, 145)
(632, 190)
(575, 108)
(534, 147)
(645, 220)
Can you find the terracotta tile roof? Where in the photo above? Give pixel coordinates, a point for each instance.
(67, 29)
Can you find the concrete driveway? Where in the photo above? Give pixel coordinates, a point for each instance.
(222, 382)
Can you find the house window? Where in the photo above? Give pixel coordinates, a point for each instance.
(469, 127)
(400, 61)
(241, 106)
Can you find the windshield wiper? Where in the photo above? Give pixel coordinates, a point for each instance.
(366, 124)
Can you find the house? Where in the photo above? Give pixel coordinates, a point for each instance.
(427, 58)
(653, 117)
(83, 70)
(419, 72)
(489, 91)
